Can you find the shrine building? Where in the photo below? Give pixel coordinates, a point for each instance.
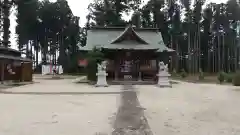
(129, 51)
(13, 67)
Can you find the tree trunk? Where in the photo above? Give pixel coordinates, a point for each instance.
(194, 52)
(37, 50)
(236, 57)
(6, 23)
(219, 54)
(209, 61)
(45, 49)
(229, 60)
(189, 53)
(171, 46)
(199, 48)
(223, 55)
(177, 58)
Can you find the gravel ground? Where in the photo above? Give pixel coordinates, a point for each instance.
(192, 109)
(58, 113)
(60, 107)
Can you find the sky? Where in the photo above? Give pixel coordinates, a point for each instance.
(79, 8)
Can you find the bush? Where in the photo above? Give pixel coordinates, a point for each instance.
(92, 70)
(174, 73)
(221, 77)
(201, 75)
(229, 77)
(93, 57)
(183, 73)
(236, 79)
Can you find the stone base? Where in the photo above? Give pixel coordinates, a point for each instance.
(101, 80)
(97, 85)
(101, 83)
(164, 82)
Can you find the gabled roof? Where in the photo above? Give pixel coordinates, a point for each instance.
(125, 34)
(114, 38)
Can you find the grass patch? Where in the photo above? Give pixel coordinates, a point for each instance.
(219, 78)
(81, 80)
(195, 79)
(173, 82)
(7, 85)
(236, 79)
(54, 78)
(75, 74)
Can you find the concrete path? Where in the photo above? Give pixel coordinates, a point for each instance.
(57, 108)
(192, 109)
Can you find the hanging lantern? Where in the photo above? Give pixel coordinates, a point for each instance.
(82, 63)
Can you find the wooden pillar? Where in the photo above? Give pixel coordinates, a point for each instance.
(2, 71)
(116, 65)
(139, 70)
(116, 70)
(116, 75)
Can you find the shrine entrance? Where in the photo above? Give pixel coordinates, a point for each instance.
(128, 67)
(132, 65)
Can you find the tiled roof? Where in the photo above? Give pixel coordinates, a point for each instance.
(104, 37)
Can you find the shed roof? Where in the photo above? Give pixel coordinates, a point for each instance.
(109, 38)
(9, 51)
(9, 57)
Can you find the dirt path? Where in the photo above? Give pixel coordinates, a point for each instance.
(192, 109)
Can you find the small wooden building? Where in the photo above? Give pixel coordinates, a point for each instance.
(13, 66)
(130, 51)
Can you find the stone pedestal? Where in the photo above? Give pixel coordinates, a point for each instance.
(101, 79)
(163, 79)
(140, 76)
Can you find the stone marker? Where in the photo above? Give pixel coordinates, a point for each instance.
(163, 75)
(102, 75)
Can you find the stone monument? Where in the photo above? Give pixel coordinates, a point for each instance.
(102, 75)
(163, 75)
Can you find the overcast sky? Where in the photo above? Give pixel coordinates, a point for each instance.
(79, 8)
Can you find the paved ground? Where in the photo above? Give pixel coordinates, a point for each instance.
(192, 109)
(60, 107)
(27, 112)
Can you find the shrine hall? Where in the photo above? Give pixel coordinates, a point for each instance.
(129, 51)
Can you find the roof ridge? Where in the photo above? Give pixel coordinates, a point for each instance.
(110, 27)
